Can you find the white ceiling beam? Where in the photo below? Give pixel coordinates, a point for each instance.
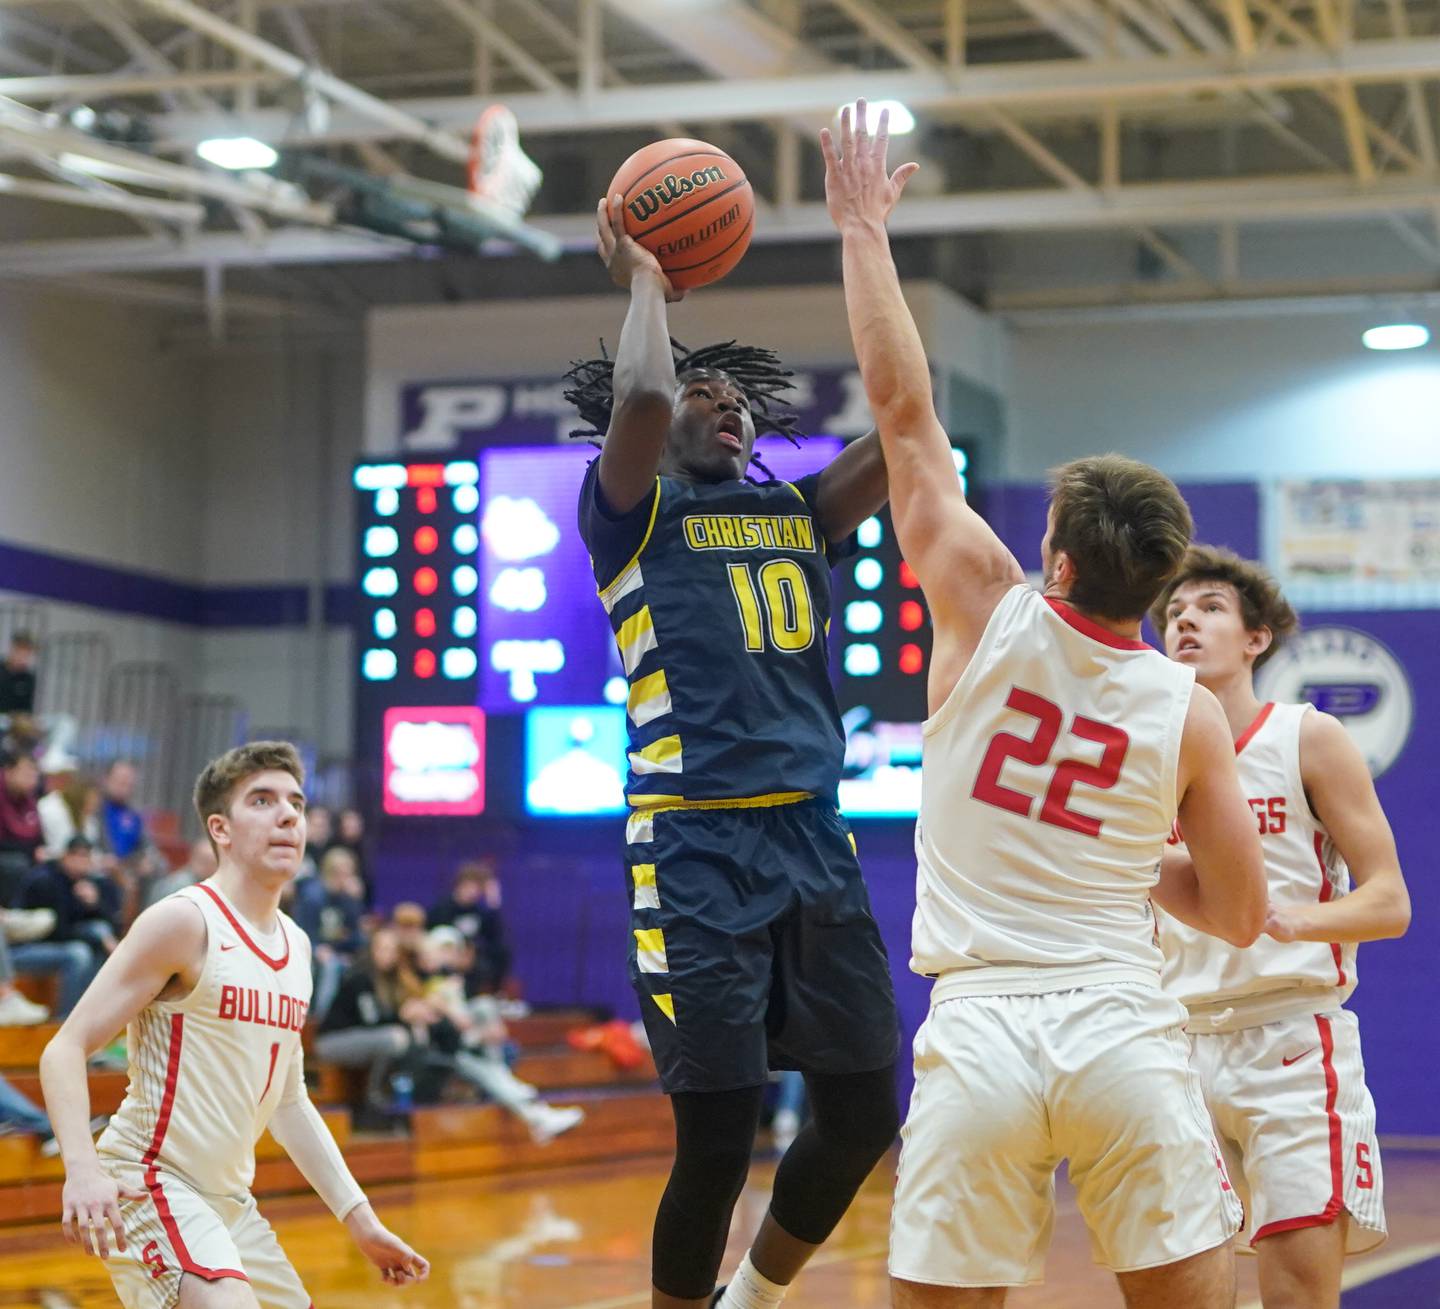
(138, 255)
(1176, 204)
(447, 144)
(116, 201)
(1132, 302)
(30, 131)
(103, 86)
(1047, 82)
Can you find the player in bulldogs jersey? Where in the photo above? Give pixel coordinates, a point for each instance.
(212, 985)
(1277, 1054)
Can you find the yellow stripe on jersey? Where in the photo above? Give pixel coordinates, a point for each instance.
(649, 805)
(650, 950)
(635, 558)
(649, 698)
(630, 581)
(635, 637)
(662, 756)
(647, 893)
(666, 1004)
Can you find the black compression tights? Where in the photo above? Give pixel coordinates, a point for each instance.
(854, 1119)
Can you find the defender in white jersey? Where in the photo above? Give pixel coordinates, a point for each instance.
(1058, 750)
(212, 985)
(1278, 1057)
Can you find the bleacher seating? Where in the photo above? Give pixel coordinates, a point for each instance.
(626, 1117)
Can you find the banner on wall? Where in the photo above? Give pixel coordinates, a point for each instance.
(450, 414)
(1360, 531)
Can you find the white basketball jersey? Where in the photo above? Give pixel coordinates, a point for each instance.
(1047, 793)
(1301, 864)
(206, 1071)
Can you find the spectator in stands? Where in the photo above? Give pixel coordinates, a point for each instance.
(86, 903)
(122, 826)
(17, 676)
(408, 922)
(350, 833)
(21, 841)
(368, 1023)
(200, 867)
(473, 907)
(70, 805)
(319, 834)
(332, 917)
(86, 907)
(476, 1038)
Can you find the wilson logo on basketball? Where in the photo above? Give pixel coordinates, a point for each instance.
(650, 201)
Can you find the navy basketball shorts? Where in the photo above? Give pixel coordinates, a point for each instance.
(753, 947)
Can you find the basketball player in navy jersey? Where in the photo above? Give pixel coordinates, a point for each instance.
(753, 945)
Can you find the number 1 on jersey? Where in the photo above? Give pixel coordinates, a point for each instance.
(787, 605)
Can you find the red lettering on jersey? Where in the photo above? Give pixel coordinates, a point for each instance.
(242, 1004)
(1176, 837)
(151, 1257)
(1055, 810)
(1269, 814)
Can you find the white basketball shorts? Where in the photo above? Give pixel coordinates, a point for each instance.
(177, 1230)
(1297, 1124)
(1006, 1087)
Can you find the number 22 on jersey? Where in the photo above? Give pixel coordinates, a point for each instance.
(1036, 752)
(791, 617)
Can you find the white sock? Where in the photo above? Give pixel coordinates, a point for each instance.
(751, 1290)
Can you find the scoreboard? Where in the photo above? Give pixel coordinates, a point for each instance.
(478, 604)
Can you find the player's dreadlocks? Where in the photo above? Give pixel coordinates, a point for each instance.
(756, 370)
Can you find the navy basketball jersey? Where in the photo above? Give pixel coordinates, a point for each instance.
(719, 598)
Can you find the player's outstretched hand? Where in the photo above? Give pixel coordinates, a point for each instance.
(90, 1200)
(858, 189)
(621, 253)
(397, 1262)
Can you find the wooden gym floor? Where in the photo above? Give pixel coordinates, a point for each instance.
(578, 1238)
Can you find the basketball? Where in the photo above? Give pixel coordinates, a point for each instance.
(690, 205)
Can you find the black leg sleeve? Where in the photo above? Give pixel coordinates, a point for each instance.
(854, 1119)
(714, 1136)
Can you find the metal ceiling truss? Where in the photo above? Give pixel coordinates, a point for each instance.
(1270, 111)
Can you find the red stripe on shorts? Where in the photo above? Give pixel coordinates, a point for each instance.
(1337, 1165)
(152, 1173)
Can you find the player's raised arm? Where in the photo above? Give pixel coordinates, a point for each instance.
(644, 366)
(165, 946)
(1220, 887)
(962, 565)
(1342, 795)
(852, 487)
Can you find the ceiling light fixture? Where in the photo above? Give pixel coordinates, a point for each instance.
(236, 152)
(1396, 336)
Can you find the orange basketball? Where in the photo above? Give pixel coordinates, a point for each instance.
(689, 204)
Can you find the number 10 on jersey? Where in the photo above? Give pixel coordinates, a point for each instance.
(787, 611)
